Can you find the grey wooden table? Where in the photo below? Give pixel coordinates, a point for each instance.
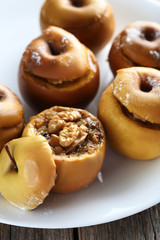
(142, 226)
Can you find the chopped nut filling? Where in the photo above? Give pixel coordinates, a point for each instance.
(70, 132)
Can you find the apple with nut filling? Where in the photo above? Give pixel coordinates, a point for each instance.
(78, 144)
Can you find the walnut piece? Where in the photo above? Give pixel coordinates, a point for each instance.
(72, 135)
(54, 140)
(69, 134)
(58, 122)
(58, 150)
(42, 130)
(95, 135)
(69, 115)
(39, 122)
(55, 124)
(81, 137)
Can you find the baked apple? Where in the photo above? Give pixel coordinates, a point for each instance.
(78, 145)
(91, 21)
(56, 69)
(138, 44)
(132, 118)
(11, 115)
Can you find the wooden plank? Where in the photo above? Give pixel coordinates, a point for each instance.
(155, 221)
(19, 233)
(8, 232)
(142, 226)
(4, 232)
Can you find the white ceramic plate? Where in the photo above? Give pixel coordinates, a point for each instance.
(126, 186)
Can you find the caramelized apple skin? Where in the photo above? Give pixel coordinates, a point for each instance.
(11, 116)
(132, 118)
(87, 21)
(56, 69)
(41, 95)
(136, 45)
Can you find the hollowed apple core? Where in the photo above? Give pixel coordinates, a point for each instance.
(150, 34)
(2, 96)
(77, 3)
(145, 86)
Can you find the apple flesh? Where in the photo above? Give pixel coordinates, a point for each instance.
(28, 179)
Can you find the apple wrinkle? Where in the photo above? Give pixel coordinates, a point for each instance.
(14, 167)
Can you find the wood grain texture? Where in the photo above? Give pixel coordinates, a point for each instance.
(5, 232)
(142, 226)
(38, 234)
(19, 233)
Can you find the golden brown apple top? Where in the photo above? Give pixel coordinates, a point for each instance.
(69, 131)
(139, 42)
(57, 56)
(74, 13)
(138, 90)
(11, 109)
